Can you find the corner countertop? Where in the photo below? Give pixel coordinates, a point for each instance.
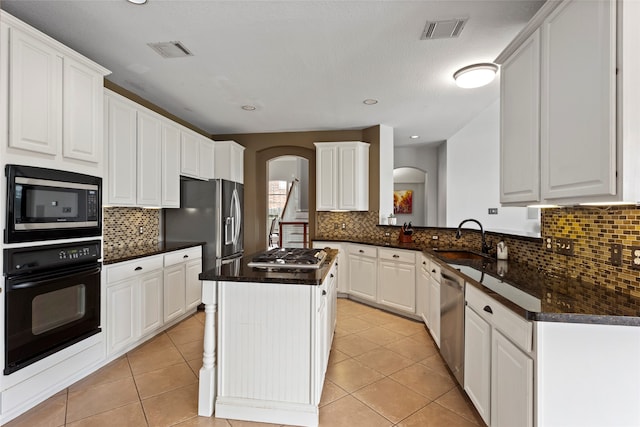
(238, 271)
(534, 293)
(127, 253)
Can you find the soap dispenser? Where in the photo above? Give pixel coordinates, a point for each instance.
(503, 251)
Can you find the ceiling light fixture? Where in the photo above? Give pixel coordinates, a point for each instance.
(137, 1)
(370, 101)
(475, 75)
(414, 136)
(248, 107)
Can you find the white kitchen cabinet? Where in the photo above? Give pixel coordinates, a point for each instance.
(196, 155)
(397, 279)
(363, 272)
(193, 286)
(477, 362)
(122, 315)
(511, 384)
(55, 107)
(151, 300)
(520, 124)
(121, 141)
(434, 309)
(229, 161)
(174, 292)
(182, 288)
(498, 363)
(170, 165)
(149, 160)
(422, 288)
(342, 176)
(341, 260)
(578, 123)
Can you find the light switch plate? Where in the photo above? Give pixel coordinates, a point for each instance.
(564, 246)
(616, 254)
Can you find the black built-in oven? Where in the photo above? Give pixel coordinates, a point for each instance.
(46, 204)
(52, 299)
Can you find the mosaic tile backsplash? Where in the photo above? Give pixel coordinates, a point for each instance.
(592, 231)
(121, 227)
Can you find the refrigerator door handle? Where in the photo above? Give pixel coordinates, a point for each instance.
(237, 214)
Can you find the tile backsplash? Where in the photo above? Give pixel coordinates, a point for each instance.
(121, 227)
(591, 230)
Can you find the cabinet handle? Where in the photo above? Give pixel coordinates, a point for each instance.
(361, 251)
(396, 256)
(488, 309)
(331, 275)
(433, 271)
(424, 262)
(186, 256)
(137, 269)
(324, 293)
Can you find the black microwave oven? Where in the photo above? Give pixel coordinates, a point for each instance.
(47, 204)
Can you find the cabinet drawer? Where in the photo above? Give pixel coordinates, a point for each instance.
(363, 250)
(129, 269)
(514, 327)
(397, 255)
(183, 255)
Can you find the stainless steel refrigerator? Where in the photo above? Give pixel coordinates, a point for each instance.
(210, 212)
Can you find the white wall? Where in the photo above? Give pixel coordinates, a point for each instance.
(473, 178)
(386, 173)
(426, 159)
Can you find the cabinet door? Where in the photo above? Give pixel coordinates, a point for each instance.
(237, 163)
(151, 302)
(422, 291)
(35, 85)
(397, 285)
(578, 120)
(511, 384)
(83, 113)
(149, 165)
(189, 149)
(434, 309)
(363, 274)
(193, 291)
(121, 143)
(520, 124)
(122, 315)
(326, 177)
(174, 292)
(206, 159)
(170, 166)
(353, 176)
(477, 362)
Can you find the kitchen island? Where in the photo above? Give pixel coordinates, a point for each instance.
(273, 339)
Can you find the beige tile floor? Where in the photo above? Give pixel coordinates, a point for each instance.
(384, 370)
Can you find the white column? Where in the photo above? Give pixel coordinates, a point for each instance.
(207, 391)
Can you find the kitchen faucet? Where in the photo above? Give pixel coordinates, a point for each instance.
(485, 247)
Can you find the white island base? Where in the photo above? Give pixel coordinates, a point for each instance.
(273, 346)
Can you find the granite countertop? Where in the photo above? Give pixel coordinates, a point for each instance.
(127, 253)
(238, 271)
(536, 294)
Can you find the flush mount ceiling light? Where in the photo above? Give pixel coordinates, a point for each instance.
(137, 1)
(475, 75)
(370, 101)
(414, 136)
(248, 107)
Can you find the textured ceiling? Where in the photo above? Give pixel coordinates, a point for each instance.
(305, 65)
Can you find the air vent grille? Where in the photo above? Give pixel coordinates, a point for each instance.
(445, 29)
(170, 49)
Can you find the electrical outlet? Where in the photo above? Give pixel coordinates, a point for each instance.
(141, 230)
(493, 211)
(564, 247)
(616, 254)
(548, 244)
(336, 226)
(635, 257)
(434, 237)
(344, 226)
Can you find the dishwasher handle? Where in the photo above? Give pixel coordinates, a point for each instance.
(451, 281)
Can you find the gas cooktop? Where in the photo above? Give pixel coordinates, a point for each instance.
(289, 258)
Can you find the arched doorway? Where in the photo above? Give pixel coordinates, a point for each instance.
(414, 180)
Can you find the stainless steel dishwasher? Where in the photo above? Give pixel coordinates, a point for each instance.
(452, 324)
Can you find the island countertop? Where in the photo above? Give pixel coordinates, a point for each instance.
(238, 271)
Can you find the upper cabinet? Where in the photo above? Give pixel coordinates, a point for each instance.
(196, 155)
(342, 176)
(581, 79)
(55, 112)
(229, 161)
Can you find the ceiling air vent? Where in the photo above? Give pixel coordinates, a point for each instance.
(444, 29)
(170, 49)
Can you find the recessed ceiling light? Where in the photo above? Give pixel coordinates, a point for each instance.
(137, 1)
(414, 136)
(370, 101)
(475, 75)
(248, 107)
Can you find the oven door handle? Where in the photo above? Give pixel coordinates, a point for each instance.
(34, 281)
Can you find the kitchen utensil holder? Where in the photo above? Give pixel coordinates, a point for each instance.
(406, 238)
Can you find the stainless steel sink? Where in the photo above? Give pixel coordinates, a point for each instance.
(461, 254)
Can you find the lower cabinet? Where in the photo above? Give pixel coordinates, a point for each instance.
(422, 289)
(397, 279)
(363, 272)
(498, 373)
(143, 295)
(434, 309)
